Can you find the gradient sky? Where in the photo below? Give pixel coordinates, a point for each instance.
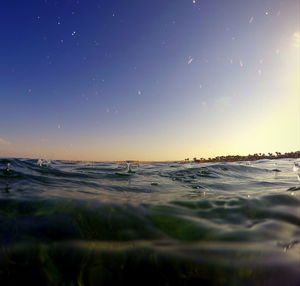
(148, 80)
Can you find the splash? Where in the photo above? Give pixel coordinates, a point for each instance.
(296, 169)
(44, 163)
(7, 171)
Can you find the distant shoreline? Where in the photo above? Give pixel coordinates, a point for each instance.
(250, 157)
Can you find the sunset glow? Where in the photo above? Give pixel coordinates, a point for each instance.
(162, 80)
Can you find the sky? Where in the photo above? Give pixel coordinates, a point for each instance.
(148, 80)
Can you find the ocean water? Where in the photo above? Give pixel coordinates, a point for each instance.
(65, 223)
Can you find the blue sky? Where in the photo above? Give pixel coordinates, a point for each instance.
(148, 80)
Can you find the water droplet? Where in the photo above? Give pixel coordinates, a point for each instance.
(190, 60)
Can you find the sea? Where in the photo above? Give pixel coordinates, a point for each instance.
(82, 223)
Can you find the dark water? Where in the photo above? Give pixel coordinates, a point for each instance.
(163, 224)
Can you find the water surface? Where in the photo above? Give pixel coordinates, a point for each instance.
(69, 223)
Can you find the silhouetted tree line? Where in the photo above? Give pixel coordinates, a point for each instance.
(253, 157)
